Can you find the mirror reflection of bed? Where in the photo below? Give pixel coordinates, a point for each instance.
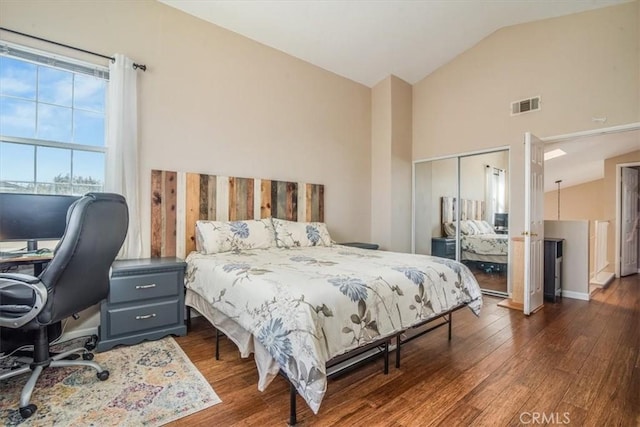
(484, 247)
(481, 181)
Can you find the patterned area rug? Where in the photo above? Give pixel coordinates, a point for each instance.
(150, 384)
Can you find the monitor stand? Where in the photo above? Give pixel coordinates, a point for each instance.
(32, 245)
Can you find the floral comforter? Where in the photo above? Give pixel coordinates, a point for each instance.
(485, 244)
(308, 305)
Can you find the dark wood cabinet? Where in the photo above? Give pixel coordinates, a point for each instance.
(443, 247)
(145, 302)
(553, 249)
(361, 245)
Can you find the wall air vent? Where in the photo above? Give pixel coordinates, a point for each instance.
(525, 105)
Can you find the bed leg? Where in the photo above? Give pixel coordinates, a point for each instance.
(450, 322)
(398, 351)
(292, 404)
(386, 357)
(188, 318)
(217, 344)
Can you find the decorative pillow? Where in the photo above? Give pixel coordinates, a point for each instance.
(224, 236)
(290, 234)
(485, 227)
(450, 229)
(467, 228)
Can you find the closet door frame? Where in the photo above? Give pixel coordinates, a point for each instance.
(457, 157)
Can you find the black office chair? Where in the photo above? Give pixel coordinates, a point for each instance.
(32, 308)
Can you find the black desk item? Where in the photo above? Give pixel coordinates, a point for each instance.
(39, 261)
(361, 245)
(553, 249)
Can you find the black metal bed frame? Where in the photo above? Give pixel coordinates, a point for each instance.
(378, 348)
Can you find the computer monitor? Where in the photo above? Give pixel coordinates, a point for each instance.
(33, 217)
(501, 220)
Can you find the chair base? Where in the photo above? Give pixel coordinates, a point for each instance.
(27, 409)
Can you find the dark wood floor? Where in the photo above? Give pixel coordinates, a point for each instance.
(574, 362)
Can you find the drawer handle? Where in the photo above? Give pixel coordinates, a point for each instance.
(150, 285)
(146, 316)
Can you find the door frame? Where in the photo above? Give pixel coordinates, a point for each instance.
(533, 224)
(618, 254)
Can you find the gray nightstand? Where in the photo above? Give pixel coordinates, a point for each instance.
(360, 245)
(145, 302)
(443, 247)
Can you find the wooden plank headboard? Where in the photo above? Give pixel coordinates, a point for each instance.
(179, 199)
(469, 209)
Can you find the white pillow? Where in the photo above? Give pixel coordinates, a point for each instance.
(224, 236)
(302, 234)
(483, 227)
(450, 229)
(467, 228)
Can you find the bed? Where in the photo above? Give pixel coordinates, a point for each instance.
(298, 307)
(282, 290)
(479, 241)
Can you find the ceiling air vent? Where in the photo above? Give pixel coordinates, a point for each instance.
(525, 105)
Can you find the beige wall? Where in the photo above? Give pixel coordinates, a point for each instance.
(391, 164)
(595, 200)
(576, 202)
(401, 139)
(584, 65)
(380, 163)
(213, 101)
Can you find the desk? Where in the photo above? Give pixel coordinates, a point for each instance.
(38, 262)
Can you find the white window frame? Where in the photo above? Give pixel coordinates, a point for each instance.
(40, 57)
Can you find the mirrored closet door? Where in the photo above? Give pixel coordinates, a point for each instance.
(473, 229)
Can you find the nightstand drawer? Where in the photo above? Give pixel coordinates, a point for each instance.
(143, 317)
(450, 248)
(443, 247)
(144, 287)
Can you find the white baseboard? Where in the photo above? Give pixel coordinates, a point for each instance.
(602, 278)
(575, 295)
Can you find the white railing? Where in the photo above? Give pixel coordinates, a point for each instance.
(600, 276)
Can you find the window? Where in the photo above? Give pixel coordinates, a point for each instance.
(52, 123)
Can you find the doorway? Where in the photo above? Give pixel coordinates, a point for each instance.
(591, 170)
(628, 218)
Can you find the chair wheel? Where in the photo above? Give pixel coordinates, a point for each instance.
(87, 356)
(90, 344)
(28, 410)
(103, 376)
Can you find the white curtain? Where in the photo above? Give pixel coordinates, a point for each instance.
(495, 191)
(122, 147)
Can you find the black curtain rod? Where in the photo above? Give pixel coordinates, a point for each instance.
(135, 66)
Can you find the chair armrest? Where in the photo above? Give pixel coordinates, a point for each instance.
(14, 316)
(19, 277)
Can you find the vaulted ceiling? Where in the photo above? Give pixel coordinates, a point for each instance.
(367, 40)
